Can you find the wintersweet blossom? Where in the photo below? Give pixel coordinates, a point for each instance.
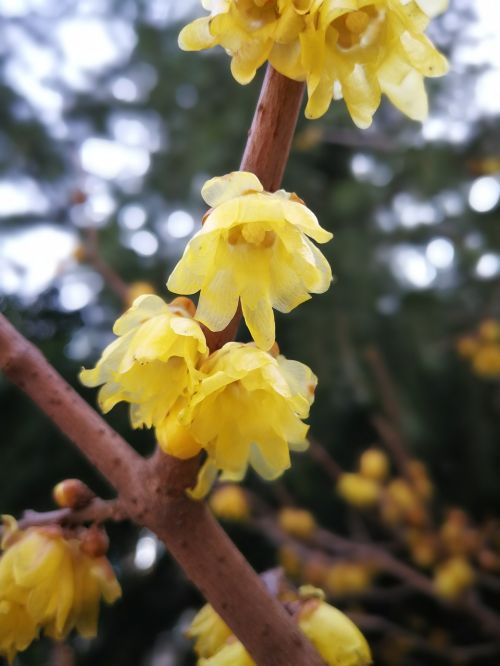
(361, 50)
(209, 631)
(247, 410)
(153, 360)
(48, 583)
(249, 30)
(333, 634)
(254, 248)
(355, 49)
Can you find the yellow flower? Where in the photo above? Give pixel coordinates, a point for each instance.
(374, 464)
(253, 247)
(248, 30)
(358, 490)
(345, 578)
(354, 49)
(334, 635)
(209, 632)
(229, 502)
(17, 629)
(232, 654)
(297, 522)
(247, 410)
(151, 363)
(336, 638)
(358, 50)
(48, 583)
(453, 578)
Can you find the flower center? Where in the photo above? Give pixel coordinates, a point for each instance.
(252, 233)
(359, 27)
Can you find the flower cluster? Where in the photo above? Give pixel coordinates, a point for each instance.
(336, 638)
(244, 404)
(482, 349)
(49, 583)
(357, 50)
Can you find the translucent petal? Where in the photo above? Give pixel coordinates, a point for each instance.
(196, 35)
(218, 190)
(404, 86)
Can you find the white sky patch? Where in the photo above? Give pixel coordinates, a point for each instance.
(144, 243)
(132, 216)
(37, 254)
(412, 268)
(484, 194)
(75, 294)
(488, 266)
(113, 161)
(146, 552)
(179, 224)
(91, 43)
(21, 196)
(441, 253)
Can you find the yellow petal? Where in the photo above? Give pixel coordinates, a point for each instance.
(404, 86)
(197, 36)
(218, 190)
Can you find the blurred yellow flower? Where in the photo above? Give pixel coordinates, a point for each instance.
(229, 502)
(334, 635)
(151, 363)
(253, 247)
(247, 410)
(355, 49)
(358, 490)
(209, 631)
(47, 582)
(336, 638)
(297, 522)
(232, 654)
(453, 578)
(248, 30)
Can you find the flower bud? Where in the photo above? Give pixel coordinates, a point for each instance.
(72, 494)
(137, 289)
(374, 464)
(229, 502)
(453, 578)
(358, 490)
(94, 542)
(297, 522)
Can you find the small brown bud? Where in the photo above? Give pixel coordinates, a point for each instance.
(72, 494)
(94, 542)
(184, 303)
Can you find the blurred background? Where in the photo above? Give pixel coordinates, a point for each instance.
(107, 132)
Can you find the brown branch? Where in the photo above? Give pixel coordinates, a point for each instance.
(26, 367)
(271, 134)
(98, 511)
(325, 460)
(94, 258)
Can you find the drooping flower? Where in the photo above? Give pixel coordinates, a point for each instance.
(253, 248)
(356, 49)
(334, 635)
(48, 583)
(248, 30)
(247, 410)
(360, 50)
(209, 632)
(153, 361)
